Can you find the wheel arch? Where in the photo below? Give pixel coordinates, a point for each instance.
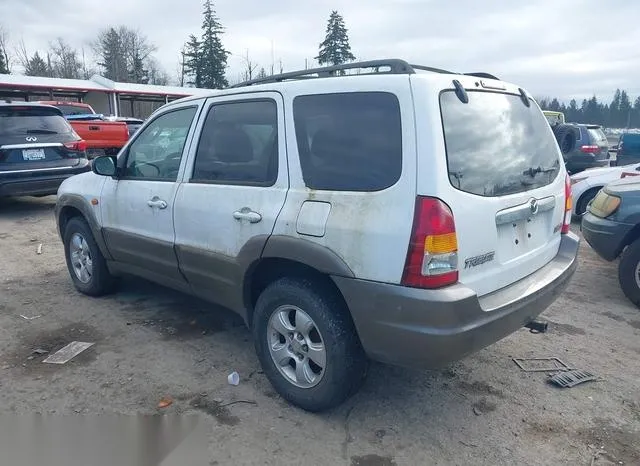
(291, 257)
(69, 206)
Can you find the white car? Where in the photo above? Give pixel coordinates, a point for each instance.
(586, 184)
(405, 214)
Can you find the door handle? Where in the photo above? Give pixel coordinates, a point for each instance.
(157, 202)
(247, 214)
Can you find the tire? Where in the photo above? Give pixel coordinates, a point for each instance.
(79, 241)
(566, 137)
(628, 272)
(583, 202)
(293, 301)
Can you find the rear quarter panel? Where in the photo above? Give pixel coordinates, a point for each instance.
(370, 231)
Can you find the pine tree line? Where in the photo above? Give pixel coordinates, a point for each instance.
(126, 55)
(620, 113)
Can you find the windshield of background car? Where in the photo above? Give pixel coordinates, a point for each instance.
(496, 145)
(32, 120)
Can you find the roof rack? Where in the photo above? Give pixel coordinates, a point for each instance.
(389, 66)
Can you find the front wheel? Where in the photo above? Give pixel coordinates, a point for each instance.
(86, 264)
(629, 272)
(307, 344)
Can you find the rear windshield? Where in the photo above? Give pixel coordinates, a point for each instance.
(496, 145)
(597, 135)
(74, 110)
(32, 121)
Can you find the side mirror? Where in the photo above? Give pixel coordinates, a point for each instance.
(613, 148)
(104, 165)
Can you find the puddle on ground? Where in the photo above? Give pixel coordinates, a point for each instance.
(372, 460)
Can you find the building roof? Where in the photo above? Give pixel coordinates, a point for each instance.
(96, 83)
(17, 81)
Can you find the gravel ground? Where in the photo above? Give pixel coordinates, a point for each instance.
(151, 342)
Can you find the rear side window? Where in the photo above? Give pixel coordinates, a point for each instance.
(26, 120)
(349, 141)
(496, 145)
(631, 142)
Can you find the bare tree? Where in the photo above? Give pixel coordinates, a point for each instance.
(65, 61)
(156, 74)
(249, 67)
(33, 65)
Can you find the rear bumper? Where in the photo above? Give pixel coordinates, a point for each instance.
(431, 328)
(37, 183)
(605, 236)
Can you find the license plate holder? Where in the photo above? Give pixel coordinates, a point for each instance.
(30, 155)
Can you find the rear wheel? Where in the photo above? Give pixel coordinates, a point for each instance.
(86, 264)
(629, 272)
(307, 344)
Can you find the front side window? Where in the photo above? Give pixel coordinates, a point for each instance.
(239, 144)
(157, 151)
(349, 141)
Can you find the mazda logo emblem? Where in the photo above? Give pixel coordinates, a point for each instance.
(533, 205)
(31, 138)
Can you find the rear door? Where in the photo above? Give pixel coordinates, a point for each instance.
(505, 186)
(234, 188)
(33, 137)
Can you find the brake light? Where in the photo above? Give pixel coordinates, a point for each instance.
(568, 204)
(432, 257)
(590, 149)
(79, 146)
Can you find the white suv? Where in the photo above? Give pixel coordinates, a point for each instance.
(404, 214)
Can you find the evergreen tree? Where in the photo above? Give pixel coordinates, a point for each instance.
(193, 61)
(137, 72)
(213, 56)
(335, 48)
(625, 110)
(111, 49)
(36, 66)
(4, 68)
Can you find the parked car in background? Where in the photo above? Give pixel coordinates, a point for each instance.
(586, 184)
(413, 218)
(38, 150)
(103, 137)
(591, 149)
(133, 124)
(628, 149)
(611, 226)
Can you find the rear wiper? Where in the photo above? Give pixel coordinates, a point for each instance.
(533, 171)
(41, 131)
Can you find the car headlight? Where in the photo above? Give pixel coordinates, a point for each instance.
(604, 204)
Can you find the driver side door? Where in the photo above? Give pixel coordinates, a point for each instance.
(137, 206)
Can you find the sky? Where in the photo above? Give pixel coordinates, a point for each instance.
(564, 48)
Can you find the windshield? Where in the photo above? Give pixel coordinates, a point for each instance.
(26, 120)
(496, 145)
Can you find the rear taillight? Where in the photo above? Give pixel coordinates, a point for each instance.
(432, 258)
(79, 146)
(590, 149)
(568, 204)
